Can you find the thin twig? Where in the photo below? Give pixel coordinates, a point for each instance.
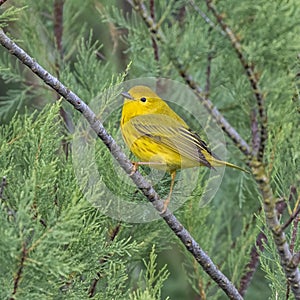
(191, 245)
(36, 216)
(252, 77)
(204, 16)
(208, 73)
(58, 25)
(225, 125)
(269, 203)
(92, 289)
(255, 133)
(58, 34)
(214, 112)
(287, 294)
(114, 232)
(253, 263)
(154, 43)
(258, 168)
(20, 270)
(152, 26)
(293, 194)
(291, 218)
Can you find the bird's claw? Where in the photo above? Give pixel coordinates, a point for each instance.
(165, 207)
(134, 169)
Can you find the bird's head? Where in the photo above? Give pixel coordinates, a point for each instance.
(141, 100)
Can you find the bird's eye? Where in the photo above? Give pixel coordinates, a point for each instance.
(143, 99)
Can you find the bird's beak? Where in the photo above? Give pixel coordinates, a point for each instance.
(127, 95)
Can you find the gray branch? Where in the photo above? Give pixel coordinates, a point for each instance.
(191, 245)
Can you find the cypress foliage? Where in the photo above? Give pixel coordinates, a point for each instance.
(53, 243)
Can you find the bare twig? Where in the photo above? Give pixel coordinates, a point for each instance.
(293, 216)
(225, 125)
(114, 232)
(203, 15)
(215, 113)
(151, 24)
(258, 168)
(252, 77)
(18, 275)
(92, 289)
(253, 263)
(191, 245)
(58, 25)
(269, 202)
(154, 43)
(254, 254)
(208, 72)
(255, 133)
(58, 34)
(37, 217)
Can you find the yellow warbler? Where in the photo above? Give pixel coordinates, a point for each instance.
(160, 138)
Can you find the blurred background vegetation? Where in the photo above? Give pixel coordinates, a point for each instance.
(54, 244)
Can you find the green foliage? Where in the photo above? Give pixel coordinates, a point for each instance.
(9, 15)
(51, 234)
(192, 42)
(65, 240)
(151, 281)
(271, 266)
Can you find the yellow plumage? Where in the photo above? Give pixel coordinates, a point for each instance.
(159, 137)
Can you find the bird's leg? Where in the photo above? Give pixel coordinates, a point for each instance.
(136, 165)
(167, 201)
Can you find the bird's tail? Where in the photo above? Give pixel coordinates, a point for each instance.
(220, 163)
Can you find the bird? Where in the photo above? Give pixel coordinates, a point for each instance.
(160, 138)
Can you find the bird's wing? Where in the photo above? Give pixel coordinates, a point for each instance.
(174, 135)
